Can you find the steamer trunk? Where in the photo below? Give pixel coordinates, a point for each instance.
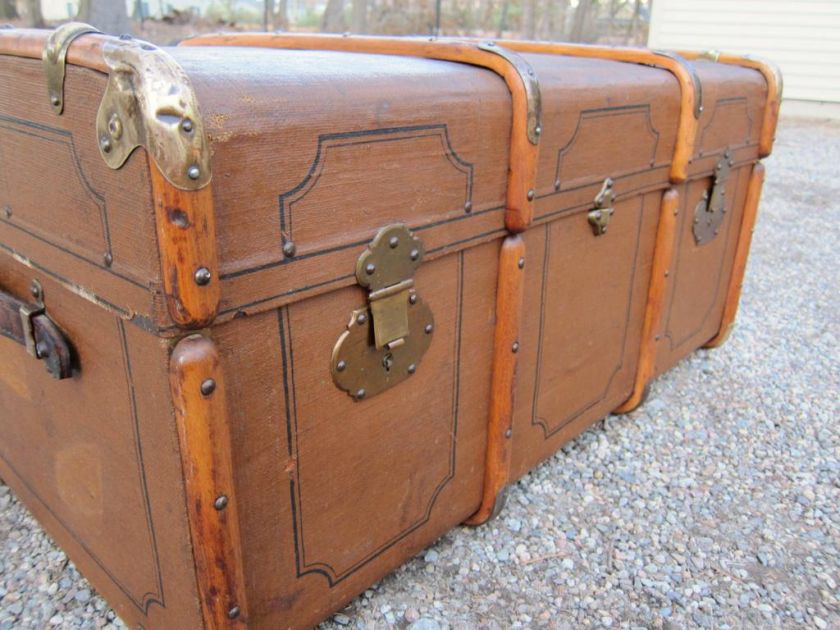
(305, 310)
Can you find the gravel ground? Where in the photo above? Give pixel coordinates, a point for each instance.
(713, 505)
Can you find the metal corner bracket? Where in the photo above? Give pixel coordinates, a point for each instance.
(529, 82)
(149, 102)
(54, 58)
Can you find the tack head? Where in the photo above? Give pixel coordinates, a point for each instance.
(208, 386)
(193, 172)
(203, 276)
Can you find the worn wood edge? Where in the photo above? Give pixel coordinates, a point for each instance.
(680, 68)
(85, 51)
(198, 394)
(524, 156)
(742, 251)
(509, 298)
(775, 86)
(186, 231)
(663, 259)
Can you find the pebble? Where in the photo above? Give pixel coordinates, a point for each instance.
(713, 505)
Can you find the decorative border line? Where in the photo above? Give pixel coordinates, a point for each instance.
(724, 102)
(313, 176)
(148, 598)
(323, 568)
(606, 112)
(535, 419)
(683, 213)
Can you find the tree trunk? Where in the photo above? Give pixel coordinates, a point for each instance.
(333, 21)
(281, 15)
(108, 16)
(580, 20)
(32, 14)
(359, 18)
(631, 30)
(8, 10)
(503, 18)
(529, 19)
(268, 15)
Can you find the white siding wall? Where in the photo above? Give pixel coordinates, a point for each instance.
(802, 36)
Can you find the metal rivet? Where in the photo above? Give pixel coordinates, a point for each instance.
(491, 44)
(203, 276)
(657, 338)
(126, 37)
(289, 249)
(556, 184)
(531, 195)
(115, 127)
(341, 365)
(393, 242)
(360, 394)
(508, 433)
(208, 386)
(537, 130)
(7, 211)
(468, 206)
(370, 269)
(193, 172)
(429, 328)
(187, 125)
(412, 369)
(412, 299)
(515, 347)
(233, 613)
(667, 273)
(221, 502)
(361, 319)
(415, 254)
(36, 290)
(521, 263)
(105, 144)
(41, 350)
(55, 101)
(108, 259)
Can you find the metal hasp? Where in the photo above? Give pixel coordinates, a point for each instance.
(599, 218)
(54, 57)
(384, 341)
(149, 102)
(709, 213)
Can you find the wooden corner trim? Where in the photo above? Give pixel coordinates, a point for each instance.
(509, 297)
(186, 232)
(663, 259)
(198, 394)
(524, 154)
(775, 86)
(691, 98)
(742, 251)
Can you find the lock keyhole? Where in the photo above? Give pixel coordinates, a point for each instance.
(388, 361)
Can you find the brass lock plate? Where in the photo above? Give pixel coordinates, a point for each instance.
(709, 212)
(385, 340)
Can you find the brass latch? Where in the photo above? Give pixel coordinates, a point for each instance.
(54, 57)
(709, 213)
(385, 340)
(599, 218)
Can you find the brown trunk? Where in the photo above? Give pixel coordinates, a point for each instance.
(232, 474)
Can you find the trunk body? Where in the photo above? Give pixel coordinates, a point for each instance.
(225, 478)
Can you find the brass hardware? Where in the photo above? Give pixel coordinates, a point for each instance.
(530, 83)
(599, 218)
(149, 102)
(709, 213)
(710, 55)
(384, 341)
(695, 78)
(54, 57)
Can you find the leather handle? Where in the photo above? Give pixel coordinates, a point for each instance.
(29, 326)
